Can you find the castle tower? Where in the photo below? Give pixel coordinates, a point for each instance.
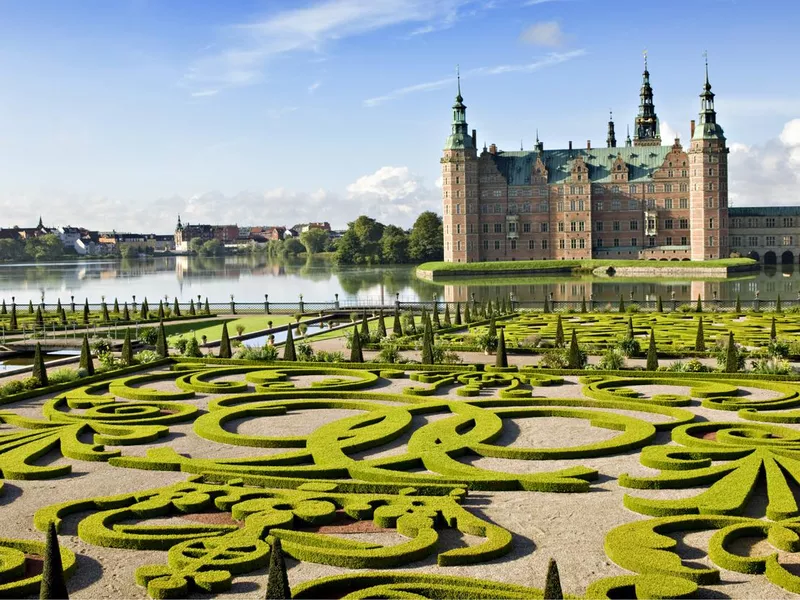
(708, 183)
(611, 138)
(647, 131)
(460, 189)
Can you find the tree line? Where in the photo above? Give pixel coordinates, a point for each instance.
(369, 242)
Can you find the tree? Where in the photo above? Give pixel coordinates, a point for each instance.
(397, 328)
(161, 341)
(39, 317)
(467, 316)
(778, 307)
(277, 580)
(364, 328)
(659, 305)
(86, 312)
(732, 356)
(192, 310)
(176, 308)
(207, 308)
(583, 304)
(447, 321)
(30, 307)
(44, 247)
(86, 356)
(621, 304)
(552, 585)
(773, 333)
(116, 306)
(381, 325)
(394, 245)
(652, 356)
(436, 320)
(575, 356)
(546, 308)
(492, 328)
(314, 240)
(12, 324)
(630, 334)
(560, 342)
(501, 359)
(104, 312)
(356, 356)
(161, 314)
(126, 314)
(457, 318)
(145, 310)
(292, 247)
(225, 343)
(288, 348)
(699, 307)
(39, 372)
(54, 585)
(426, 241)
(127, 349)
(348, 250)
(699, 340)
(195, 245)
(12, 250)
(427, 343)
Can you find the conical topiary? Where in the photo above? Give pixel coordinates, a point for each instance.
(778, 307)
(63, 316)
(277, 580)
(39, 372)
(732, 356)
(397, 328)
(773, 333)
(54, 585)
(225, 343)
(116, 306)
(39, 317)
(288, 348)
(552, 585)
(652, 355)
(467, 316)
(659, 305)
(364, 328)
(492, 328)
(176, 308)
(104, 312)
(546, 308)
(436, 322)
(161, 314)
(457, 318)
(381, 325)
(356, 356)
(447, 321)
(86, 312)
(127, 349)
(192, 310)
(427, 343)
(4, 310)
(30, 307)
(699, 340)
(86, 356)
(126, 314)
(574, 358)
(583, 304)
(12, 324)
(161, 341)
(144, 313)
(621, 304)
(207, 308)
(630, 334)
(560, 342)
(738, 308)
(501, 359)
(699, 307)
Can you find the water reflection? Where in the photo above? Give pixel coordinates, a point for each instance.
(250, 277)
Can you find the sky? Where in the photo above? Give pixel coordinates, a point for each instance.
(123, 115)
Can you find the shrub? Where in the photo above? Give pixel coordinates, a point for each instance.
(772, 366)
(265, 353)
(108, 362)
(556, 358)
(612, 360)
(778, 348)
(62, 375)
(486, 341)
(53, 581)
(389, 354)
(633, 308)
(148, 335)
(144, 356)
(629, 347)
(443, 356)
(304, 352)
(239, 329)
(179, 343)
(192, 348)
(329, 357)
(101, 345)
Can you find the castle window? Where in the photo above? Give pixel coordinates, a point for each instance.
(668, 223)
(560, 206)
(684, 241)
(615, 189)
(634, 242)
(458, 228)
(684, 173)
(632, 189)
(497, 208)
(561, 226)
(683, 203)
(737, 223)
(526, 228)
(485, 244)
(531, 244)
(788, 222)
(683, 224)
(573, 226)
(458, 209)
(447, 229)
(598, 205)
(544, 227)
(573, 243)
(458, 180)
(769, 222)
(632, 205)
(598, 226)
(669, 241)
(668, 186)
(581, 205)
(736, 240)
(526, 207)
(710, 202)
(668, 203)
(634, 225)
(711, 223)
(711, 241)
(513, 244)
(619, 167)
(485, 228)
(669, 174)
(711, 187)
(752, 241)
(615, 226)
(581, 243)
(651, 241)
(544, 244)
(484, 208)
(599, 242)
(651, 188)
(458, 246)
(711, 171)
(458, 194)
(472, 228)
(512, 209)
(615, 205)
(580, 226)
(497, 244)
(561, 244)
(572, 189)
(498, 228)
(512, 227)
(497, 193)
(787, 240)
(616, 242)
(544, 206)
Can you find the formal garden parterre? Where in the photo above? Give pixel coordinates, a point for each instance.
(190, 476)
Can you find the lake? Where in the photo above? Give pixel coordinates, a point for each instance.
(249, 277)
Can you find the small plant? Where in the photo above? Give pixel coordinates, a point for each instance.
(62, 375)
(555, 358)
(192, 348)
(304, 352)
(772, 366)
(239, 329)
(179, 343)
(629, 347)
(486, 341)
(100, 345)
(778, 349)
(265, 353)
(143, 357)
(389, 354)
(329, 357)
(612, 360)
(148, 335)
(108, 362)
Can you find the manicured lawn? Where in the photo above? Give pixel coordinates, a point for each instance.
(213, 329)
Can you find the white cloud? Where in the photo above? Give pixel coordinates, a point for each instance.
(769, 174)
(203, 93)
(551, 59)
(535, 2)
(545, 33)
(313, 87)
(392, 195)
(250, 46)
(668, 134)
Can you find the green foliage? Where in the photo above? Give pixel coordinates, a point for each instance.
(224, 343)
(397, 328)
(161, 341)
(54, 585)
(612, 360)
(732, 363)
(266, 353)
(552, 585)
(457, 318)
(356, 355)
(576, 358)
(699, 305)
(425, 242)
(659, 305)
(700, 342)
(560, 342)
(87, 364)
(652, 355)
(192, 348)
(146, 356)
(427, 343)
(621, 304)
(314, 240)
(277, 579)
(501, 360)
(288, 348)
(39, 372)
(86, 312)
(738, 308)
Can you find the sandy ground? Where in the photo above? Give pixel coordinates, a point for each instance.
(568, 527)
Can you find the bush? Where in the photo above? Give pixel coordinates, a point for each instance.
(555, 358)
(239, 329)
(304, 352)
(148, 335)
(265, 353)
(778, 348)
(768, 366)
(633, 308)
(329, 357)
(179, 343)
(612, 360)
(108, 362)
(101, 345)
(443, 356)
(62, 375)
(389, 354)
(143, 357)
(629, 347)
(721, 353)
(486, 341)
(192, 348)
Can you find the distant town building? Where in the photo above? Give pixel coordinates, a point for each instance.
(641, 200)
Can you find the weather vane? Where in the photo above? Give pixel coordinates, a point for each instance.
(645, 58)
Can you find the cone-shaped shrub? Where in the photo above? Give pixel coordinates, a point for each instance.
(773, 333)
(39, 317)
(621, 304)
(86, 356)
(161, 310)
(738, 304)
(732, 357)
(574, 359)
(12, 324)
(288, 348)
(145, 310)
(364, 327)
(778, 307)
(104, 310)
(447, 321)
(583, 304)
(560, 342)
(86, 312)
(699, 307)
(161, 341)
(546, 308)
(397, 328)
(126, 314)
(652, 356)
(436, 322)
(176, 308)
(127, 349)
(116, 306)
(192, 310)
(467, 316)
(427, 343)
(207, 308)
(457, 318)
(630, 335)
(501, 359)
(699, 340)
(356, 356)
(552, 585)
(4, 310)
(39, 372)
(277, 580)
(381, 325)
(659, 305)
(489, 309)
(30, 307)
(492, 328)
(63, 316)
(225, 343)
(54, 585)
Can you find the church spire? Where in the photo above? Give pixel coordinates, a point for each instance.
(40, 225)
(647, 128)
(459, 138)
(611, 138)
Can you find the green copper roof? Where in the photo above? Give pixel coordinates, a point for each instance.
(642, 161)
(764, 211)
(708, 131)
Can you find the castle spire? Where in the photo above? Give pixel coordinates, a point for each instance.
(459, 137)
(647, 128)
(611, 138)
(628, 143)
(708, 128)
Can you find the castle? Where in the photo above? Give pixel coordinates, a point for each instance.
(640, 200)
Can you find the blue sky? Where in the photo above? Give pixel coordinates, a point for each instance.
(124, 114)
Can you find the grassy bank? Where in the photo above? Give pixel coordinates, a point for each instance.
(575, 266)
